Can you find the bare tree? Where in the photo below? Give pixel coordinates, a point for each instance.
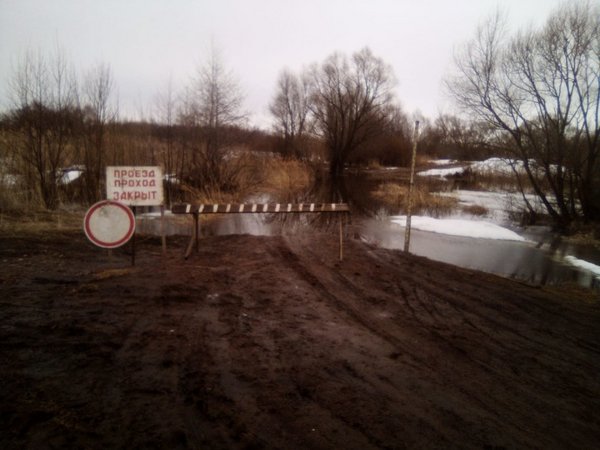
(390, 147)
(44, 92)
(165, 126)
(539, 91)
(350, 102)
(460, 138)
(98, 114)
(290, 108)
(217, 105)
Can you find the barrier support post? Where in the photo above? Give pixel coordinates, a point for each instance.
(254, 208)
(194, 240)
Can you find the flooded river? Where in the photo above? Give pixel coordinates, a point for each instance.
(542, 258)
(538, 260)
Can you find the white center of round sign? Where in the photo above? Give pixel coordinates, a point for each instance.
(109, 224)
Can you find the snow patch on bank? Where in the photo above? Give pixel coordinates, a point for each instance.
(491, 166)
(497, 166)
(460, 227)
(499, 205)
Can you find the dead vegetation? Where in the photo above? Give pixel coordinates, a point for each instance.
(395, 197)
(475, 210)
(40, 220)
(255, 175)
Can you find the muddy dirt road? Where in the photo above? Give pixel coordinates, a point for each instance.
(270, 342)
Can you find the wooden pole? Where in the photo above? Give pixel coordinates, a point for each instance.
(410, 188)
(133, 241)
(194, 240)
(162, 230)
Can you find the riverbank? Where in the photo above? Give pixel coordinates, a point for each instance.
(271, 342)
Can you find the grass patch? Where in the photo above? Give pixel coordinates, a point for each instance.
(40, 221)
(395, 196)
(251, 174)
(286, 178)
(475, 210)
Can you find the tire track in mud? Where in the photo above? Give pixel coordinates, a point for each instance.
(210, 418)
(360, 385)
(426, 317)
(493, 317)
(523, 298)
(541, 350)
(351, 290)
(209, 381)
(354, 292)
(299, 364)
(244, 341)
(504, 323)
(526, 305)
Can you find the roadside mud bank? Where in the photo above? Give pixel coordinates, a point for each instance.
(271, 342)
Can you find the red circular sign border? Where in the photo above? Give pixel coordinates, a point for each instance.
(98, 242)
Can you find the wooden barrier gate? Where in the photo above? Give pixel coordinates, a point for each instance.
(257, 208)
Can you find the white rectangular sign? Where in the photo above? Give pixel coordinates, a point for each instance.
(134, 185)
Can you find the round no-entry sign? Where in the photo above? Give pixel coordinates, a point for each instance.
(109, 224)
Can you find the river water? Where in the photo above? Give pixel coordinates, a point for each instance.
(539, 260)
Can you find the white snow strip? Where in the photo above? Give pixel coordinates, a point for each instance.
(460, 227)
(498, 166)
(491, 166)
(583, 265)
(442, 162)
(442, 172)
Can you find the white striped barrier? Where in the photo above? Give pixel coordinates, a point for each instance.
(270, 208)
(256, 208)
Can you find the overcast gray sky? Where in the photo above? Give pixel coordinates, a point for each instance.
(147, 42)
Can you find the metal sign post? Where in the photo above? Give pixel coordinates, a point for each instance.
(137, 186)
(410, 188)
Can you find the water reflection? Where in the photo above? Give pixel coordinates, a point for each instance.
(520, 260)
(210, 225)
